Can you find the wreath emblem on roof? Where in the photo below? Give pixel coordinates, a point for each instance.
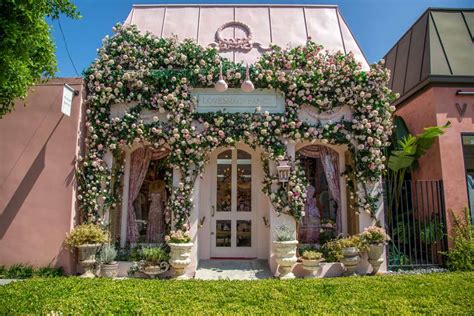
(241, 43)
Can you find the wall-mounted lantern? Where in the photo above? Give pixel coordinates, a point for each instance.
(283, 169)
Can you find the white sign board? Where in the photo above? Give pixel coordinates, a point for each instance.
(236, 101)
(68, 94)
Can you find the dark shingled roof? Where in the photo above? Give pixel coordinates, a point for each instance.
(438, 48)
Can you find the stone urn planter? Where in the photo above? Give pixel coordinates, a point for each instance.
(87, 259)
(375, 253)
(180, 254)
(109, 270)
(285, 255)
(153, 270)
(351, 259)
(312, 266)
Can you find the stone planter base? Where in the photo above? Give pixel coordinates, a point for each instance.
(351, 260)
(312, 266)
(109, 270)
(285, 255)
(87, 259)
(375, 253)
(180, 259)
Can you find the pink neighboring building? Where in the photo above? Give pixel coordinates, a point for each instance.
(433, 70)
(37, 204)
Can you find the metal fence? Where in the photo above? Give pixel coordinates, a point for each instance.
(416, 222)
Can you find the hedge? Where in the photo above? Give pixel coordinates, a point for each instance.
(445, 293)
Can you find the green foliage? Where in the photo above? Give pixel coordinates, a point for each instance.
(86, 234)
(332, 251)
(461, 256)
(312, 255)
(26, 46)
(23, 271)
(107, 254)
(434, 294)
(284, 233)
(154, 254)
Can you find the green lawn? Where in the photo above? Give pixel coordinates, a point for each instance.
(446, 293)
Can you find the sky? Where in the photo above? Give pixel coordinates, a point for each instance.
(377, 24)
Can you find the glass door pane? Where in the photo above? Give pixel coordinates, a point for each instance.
(224, 181)
(223, 233)
(244, 182)
(244, 233)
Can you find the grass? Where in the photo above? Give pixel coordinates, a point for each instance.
(444, 293)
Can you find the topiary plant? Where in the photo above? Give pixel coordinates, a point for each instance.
(86, 234)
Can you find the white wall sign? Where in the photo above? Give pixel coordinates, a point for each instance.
(310, 115)
(68, 94)
(235, 100)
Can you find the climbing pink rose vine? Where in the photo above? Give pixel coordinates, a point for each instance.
(152, 75)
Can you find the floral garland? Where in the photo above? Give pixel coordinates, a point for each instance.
(159, 74)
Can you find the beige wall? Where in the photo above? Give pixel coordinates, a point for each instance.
(38, 148)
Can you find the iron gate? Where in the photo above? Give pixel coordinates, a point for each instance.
(416, 223)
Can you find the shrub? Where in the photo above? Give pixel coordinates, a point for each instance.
(312, 255)
(107, 254)
(86, 234)
(374, 235)
(48, 272)
(461, 256)
(332, 251)
(178, 237)
(284, 233)
(154, 254)
(19, 271)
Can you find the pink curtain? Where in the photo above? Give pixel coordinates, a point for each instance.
(139, 163)
(330, 161)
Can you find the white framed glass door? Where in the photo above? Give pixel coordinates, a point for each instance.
(233, 230)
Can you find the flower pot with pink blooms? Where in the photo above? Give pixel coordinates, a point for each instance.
(180, 245)
(374, 239)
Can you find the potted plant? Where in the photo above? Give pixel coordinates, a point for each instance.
(108, 265)
(285, 251)
(311, 260)
(154, 261)
(87, 238)
(180, 245)
(374, 240)
(350, 249)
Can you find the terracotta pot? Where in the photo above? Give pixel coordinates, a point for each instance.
(311, 265)
(350, 260)
(375, 253)
(109, 270)
(285, 255)
(87, 258)
(180, 258)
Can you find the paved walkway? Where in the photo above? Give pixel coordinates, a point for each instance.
(233, 269)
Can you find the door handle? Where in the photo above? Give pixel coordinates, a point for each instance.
(213, 211)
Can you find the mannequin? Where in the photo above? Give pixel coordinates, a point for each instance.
(156, 217)
(312, 218)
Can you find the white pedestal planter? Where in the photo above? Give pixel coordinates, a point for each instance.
(312, 266)
(180, 258)
(109, 270)
(87, 258)
(375, 257)
(285, 255)
(350, 260)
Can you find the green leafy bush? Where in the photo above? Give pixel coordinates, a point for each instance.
(86, 234)
(312, 255)
(154, 255)
(432, 294)
(23, 271)
(332, 251)
(461, 256)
